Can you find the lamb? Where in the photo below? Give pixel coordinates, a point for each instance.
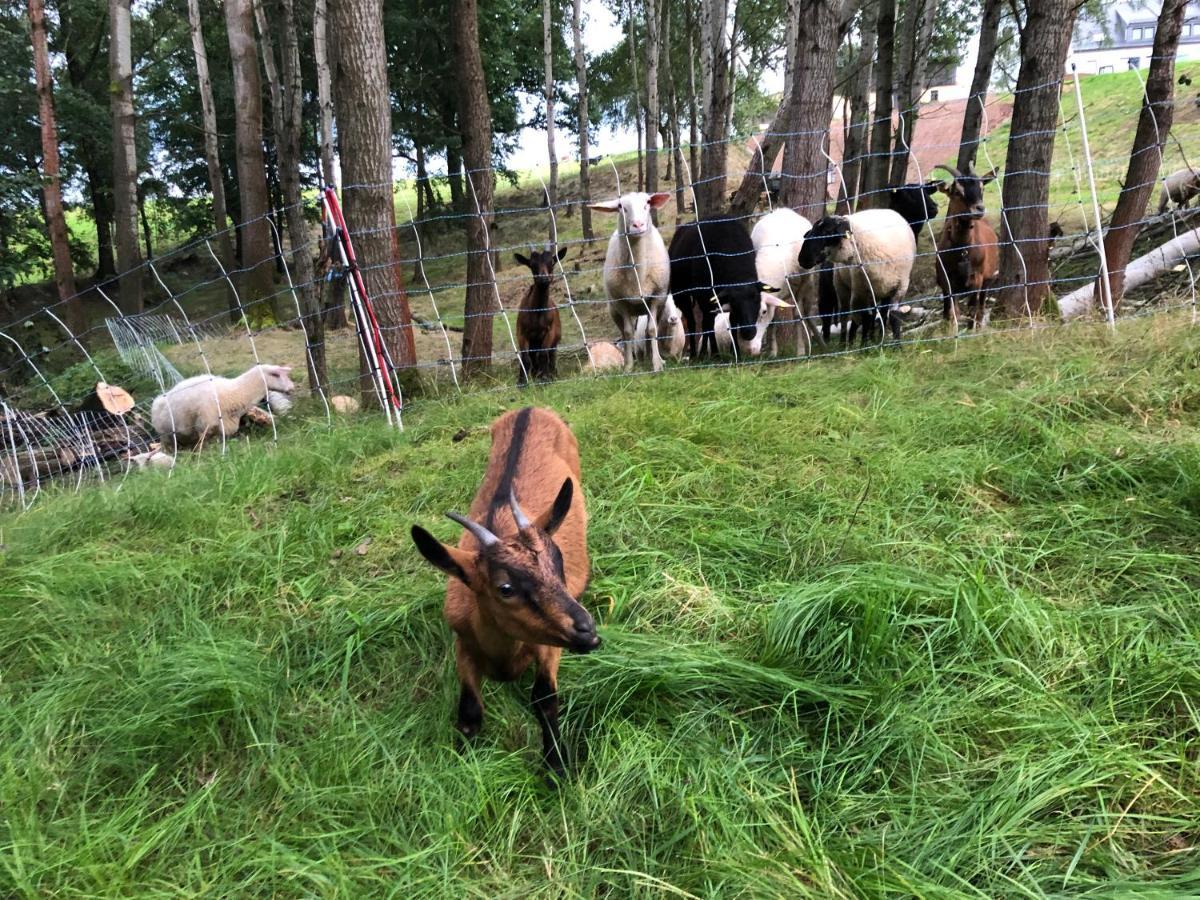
(206, 404)
(605, 356)
(539, 327)
(671, 336)
(1179, 187)
(777, 239)
(512, 596)
(873, 253)
(714, 257)
(636, 269)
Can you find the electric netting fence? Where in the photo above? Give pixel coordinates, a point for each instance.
(199, 319)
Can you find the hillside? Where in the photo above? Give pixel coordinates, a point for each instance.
(914, 623)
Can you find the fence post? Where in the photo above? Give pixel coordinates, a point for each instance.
(1105, 287)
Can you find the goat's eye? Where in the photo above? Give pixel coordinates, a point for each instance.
(506, 590)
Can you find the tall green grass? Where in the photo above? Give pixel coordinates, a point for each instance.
(915, 624)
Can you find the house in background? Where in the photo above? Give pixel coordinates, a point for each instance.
(1124, 38)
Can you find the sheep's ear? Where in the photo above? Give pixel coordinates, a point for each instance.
(562, 252)
(521, 259)
(606, 206)
(659, 200)
(767, 288)
(932, 187)
(554, 516)
(454, 562)
(941, 186)
(776, 302)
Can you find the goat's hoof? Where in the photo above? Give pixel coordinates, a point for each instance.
(468, 729)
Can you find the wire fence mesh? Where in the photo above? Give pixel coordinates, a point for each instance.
(200, 326)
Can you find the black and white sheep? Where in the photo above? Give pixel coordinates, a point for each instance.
(712, 268)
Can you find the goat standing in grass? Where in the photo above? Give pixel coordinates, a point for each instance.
(968, 251)
(539, 328)
(514, 588)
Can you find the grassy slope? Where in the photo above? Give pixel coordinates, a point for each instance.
(915, 623)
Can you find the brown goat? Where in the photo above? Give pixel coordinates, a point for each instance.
(968, 252)
(539, 328)
(512, 597)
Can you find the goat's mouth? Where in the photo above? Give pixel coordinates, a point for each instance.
(583, 642)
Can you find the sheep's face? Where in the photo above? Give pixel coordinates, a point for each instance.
(277, 379)
(767, 307)
(634, 210)
(827, 234)
(542, 264)
(519, 581)
(915, 202)
(742, 302)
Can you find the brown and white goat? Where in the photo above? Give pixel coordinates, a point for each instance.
(968, 252)
(539, 328)
(514, 587)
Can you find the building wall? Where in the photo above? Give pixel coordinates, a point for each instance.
(1116, 59)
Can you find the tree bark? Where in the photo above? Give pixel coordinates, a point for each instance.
(585, 187)
(475, 117)
(878, 167)
(212, 158)
(652, 117)
(693, 106)
(1145, 160)
(673, 117)
(56, 220)
(1024, 238)
(805, 185)
(912, 84)
(637, 99)
(256, 282)
(714, 152)
(858, 132)
(147, 234)
(324, 91)
(364, 116)
(548, 56)
(120, 68)
(989, 29)
(298, 231)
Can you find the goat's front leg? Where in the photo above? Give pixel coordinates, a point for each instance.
(470, 704)
(544, 699)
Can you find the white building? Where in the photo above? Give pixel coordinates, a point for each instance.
(1124, 38)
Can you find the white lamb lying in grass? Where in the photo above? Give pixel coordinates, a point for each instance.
(207, 405)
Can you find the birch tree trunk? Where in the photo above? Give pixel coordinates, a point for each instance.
(120, 76)
(364, 116)
(989, 29)
(637, 98)
(693, 106)
(878, 167)
(858, 132)
(913, 86)
(714, 151)
(56, 221)
(585, 187)
(652, 117)
(475, 119)
(673, 116)
(324, 92)
(548, 55)
(1145, 160)
(1024, 238)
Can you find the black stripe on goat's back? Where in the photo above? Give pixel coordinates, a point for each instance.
(512, 460)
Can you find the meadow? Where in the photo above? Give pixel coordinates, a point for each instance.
(923, 622)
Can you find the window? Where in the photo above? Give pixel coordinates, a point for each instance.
(933, 95)
(1135, 34)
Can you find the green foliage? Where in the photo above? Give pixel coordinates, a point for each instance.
(910, 624)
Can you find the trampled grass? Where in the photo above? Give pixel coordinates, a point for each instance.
(911, 624)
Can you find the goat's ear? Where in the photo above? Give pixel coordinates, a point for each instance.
(558, 511)
(562, 252)
(454, 562)
(660, 199)
(606, 206)
(988, 178)
(521, 259)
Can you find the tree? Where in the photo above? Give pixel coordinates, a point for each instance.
(714, 152)
(917, 33)
(673, 111)
(1024, 254)
(858, 132)
(120, 66)
(585, 187)
(324, 91)
(631, 22)
(212, 153)
(989, 29)
(878, 167)
(64, 270)
(364, 128)
(652, 113)
(1145, 160)
(257, 280)
(548, 55)
(475, 116)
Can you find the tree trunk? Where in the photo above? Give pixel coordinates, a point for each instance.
(212, 158)
(585, 187)
(272, 71)
(120, 68)
(256, 282)
(878, 167)
(693, 107)
(147, 235)
(548, 55)
(858, 131)
(913, 85)
(56, 220)
(1145, 160)
(715, 150)
(298, 231)
(324, 91)
(989, 29)
(475, 117)
(364, 116)
(637, 99)
(100, 195)
(652, 117)
(805, 187)
(673, 120)
(1024, 238)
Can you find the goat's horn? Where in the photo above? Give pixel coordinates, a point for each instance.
(518, 515)
(481, 534)
(953, 171)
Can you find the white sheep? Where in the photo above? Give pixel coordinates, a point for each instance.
(637, 269)
(872, 252)
(777, 238)
(671, 335)
(1178, 187)
(203, 405)
(605, 356)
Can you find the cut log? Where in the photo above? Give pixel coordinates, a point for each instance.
(1140, 272)
(107, 398)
